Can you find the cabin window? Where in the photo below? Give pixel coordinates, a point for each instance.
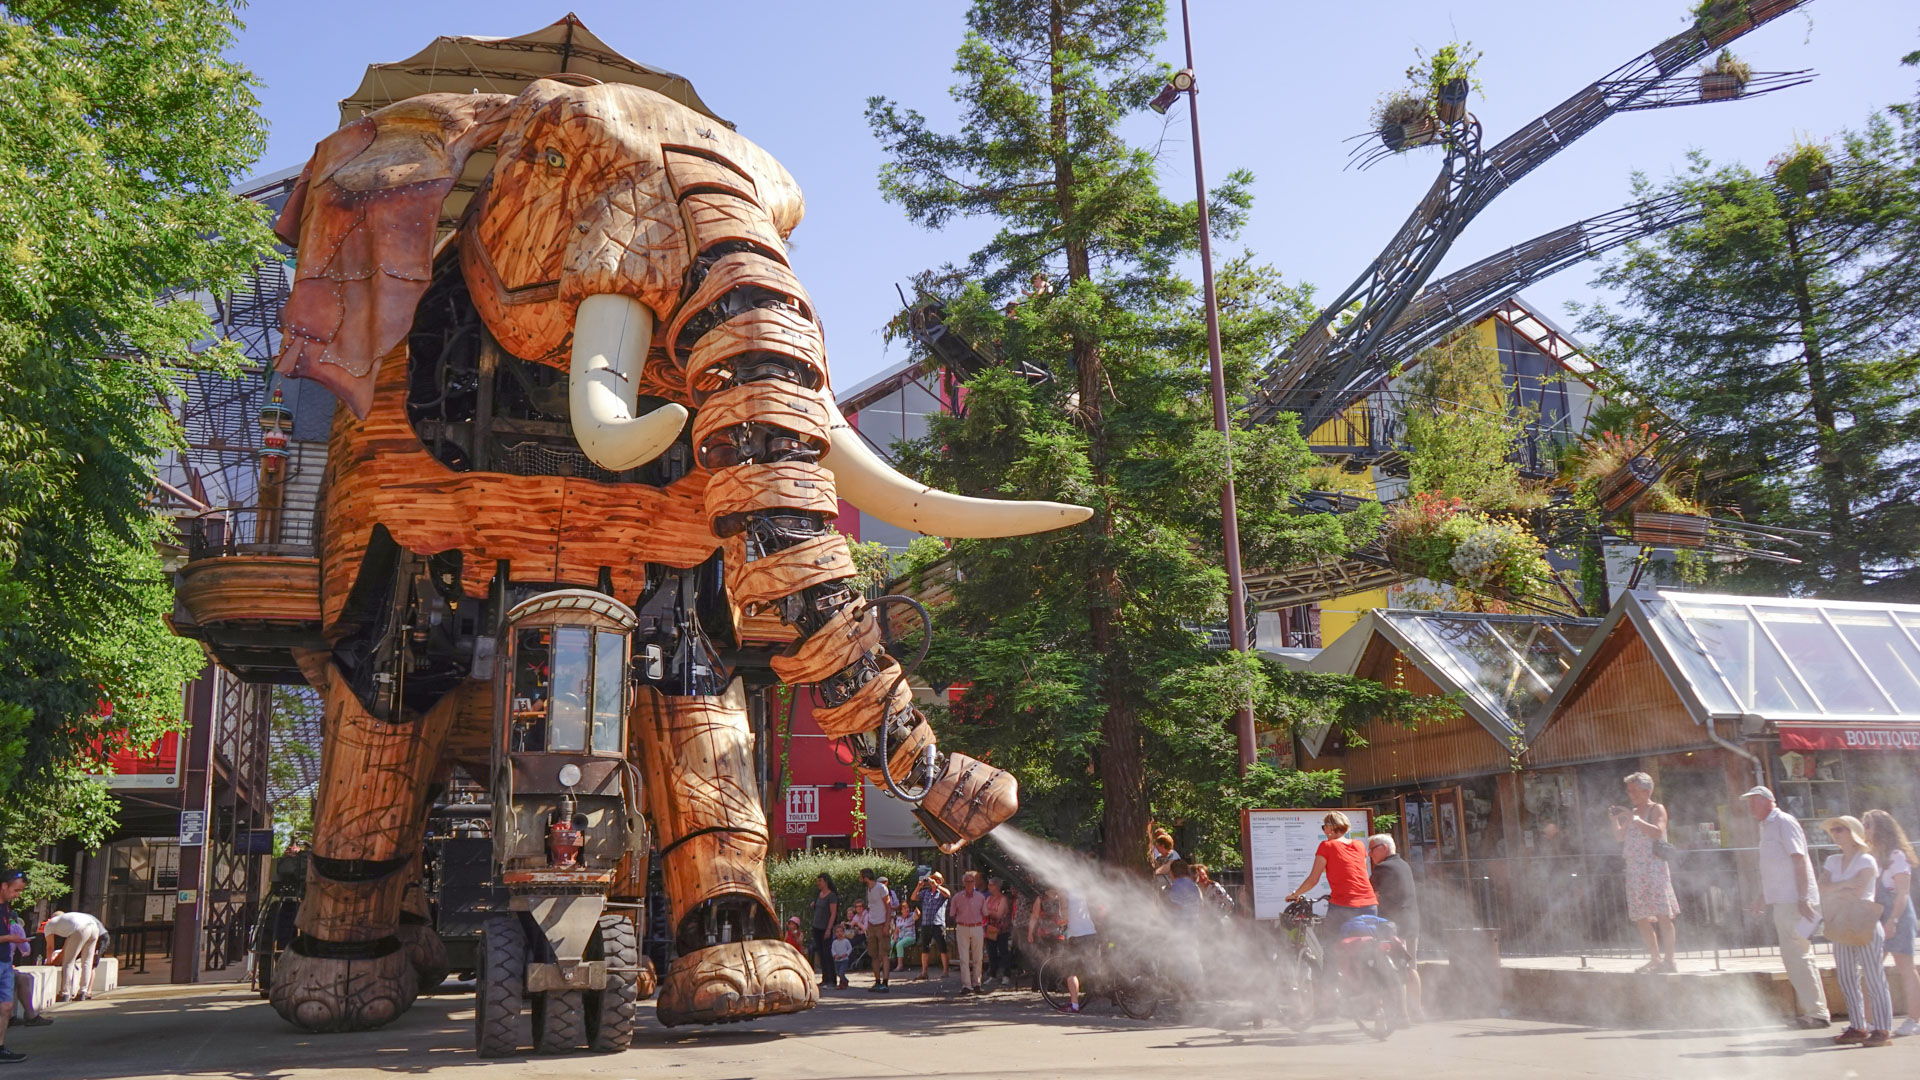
(569, 686)
(532, 659)
(567, 718)
(609, 690)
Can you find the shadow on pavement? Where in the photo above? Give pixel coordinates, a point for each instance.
(1778, 1048)
(1503, 1033)
(232, 1033)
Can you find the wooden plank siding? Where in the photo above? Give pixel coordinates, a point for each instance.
(1455, 748)
(1624, 706)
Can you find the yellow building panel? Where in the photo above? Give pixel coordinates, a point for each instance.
(1353, 427)
(1338, 615)
(1339, 481)
(1488, 338)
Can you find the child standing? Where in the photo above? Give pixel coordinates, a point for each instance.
(842, 951)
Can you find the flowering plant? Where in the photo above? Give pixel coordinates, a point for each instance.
(1444, 540)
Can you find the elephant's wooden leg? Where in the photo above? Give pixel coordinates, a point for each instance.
(732, 963)
(347, 969)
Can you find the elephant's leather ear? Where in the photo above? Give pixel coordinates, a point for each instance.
(362, 218)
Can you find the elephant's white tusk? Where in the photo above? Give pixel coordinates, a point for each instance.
(868, 482)
(611, 335)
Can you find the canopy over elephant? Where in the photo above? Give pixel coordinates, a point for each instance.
(518, 396)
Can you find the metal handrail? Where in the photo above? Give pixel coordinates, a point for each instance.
(248, 530)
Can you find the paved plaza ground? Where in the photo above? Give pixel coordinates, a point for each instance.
(228, 1032)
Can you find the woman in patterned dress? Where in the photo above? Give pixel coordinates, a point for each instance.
(1650, 900)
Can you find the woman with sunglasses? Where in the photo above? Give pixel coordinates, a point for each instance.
(1855, 873)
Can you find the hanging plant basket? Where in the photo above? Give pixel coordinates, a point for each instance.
(1820, 177)
(1398, 137)
(1723, 21)
(1652, 529)
(1453, 101)
(1767, 9)
(1620, 487)
(1717, 87)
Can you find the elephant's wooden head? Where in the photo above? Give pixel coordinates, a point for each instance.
(611, 212)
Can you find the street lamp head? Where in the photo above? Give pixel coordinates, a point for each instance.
(1181, 83)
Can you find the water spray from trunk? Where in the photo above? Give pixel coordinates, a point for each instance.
(1226, 968)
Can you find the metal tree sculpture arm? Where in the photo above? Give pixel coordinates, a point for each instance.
(1329, 362)
(1466, 292)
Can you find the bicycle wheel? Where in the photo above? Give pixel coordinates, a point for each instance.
(1375, 986)
(1053, 984)
(1138, 996)
(1300, 996)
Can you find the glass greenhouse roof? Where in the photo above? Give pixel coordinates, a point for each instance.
(1507, 665)
(1786, 659)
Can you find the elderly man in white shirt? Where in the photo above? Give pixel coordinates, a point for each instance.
(1789, 890)
(80, 936)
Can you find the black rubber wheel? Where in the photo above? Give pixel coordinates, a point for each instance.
(1053, 985)
(611, 1013)
(1374, 995)
(1138, 995)
(263, 971)
(560, 1022)
(1300, 1000)
(502, 1023)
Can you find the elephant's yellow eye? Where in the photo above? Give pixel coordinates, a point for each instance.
(556, 159)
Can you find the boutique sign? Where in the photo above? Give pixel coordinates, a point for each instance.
(1842, 737)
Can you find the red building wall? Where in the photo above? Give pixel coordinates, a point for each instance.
(811, 762)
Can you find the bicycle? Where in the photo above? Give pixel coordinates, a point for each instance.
(1300, 963)
(1138, 993)
(1372, 976)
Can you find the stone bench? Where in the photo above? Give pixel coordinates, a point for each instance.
(37, 986)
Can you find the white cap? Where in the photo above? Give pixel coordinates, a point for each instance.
(1761, 790)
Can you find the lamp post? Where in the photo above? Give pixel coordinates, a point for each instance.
(1183, 83)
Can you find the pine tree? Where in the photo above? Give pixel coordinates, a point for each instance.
(1080, 646)
(126, 128)
(1781, 330)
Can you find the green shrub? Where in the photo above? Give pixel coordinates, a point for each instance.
(922, 552)
(791, 879)
(1454, 60)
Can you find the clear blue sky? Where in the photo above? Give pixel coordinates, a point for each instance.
(1283, 84)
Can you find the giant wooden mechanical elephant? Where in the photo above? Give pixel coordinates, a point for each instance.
(519, 393)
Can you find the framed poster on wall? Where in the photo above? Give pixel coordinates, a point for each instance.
(1281, 845)
(1449, 829)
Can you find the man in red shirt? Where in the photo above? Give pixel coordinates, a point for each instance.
(1343, 861)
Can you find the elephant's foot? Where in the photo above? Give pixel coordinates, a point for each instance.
(740, 981)
(646, 980)
(426, 952)
(322, 993)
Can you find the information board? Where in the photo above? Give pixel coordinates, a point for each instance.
(1282, 843)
